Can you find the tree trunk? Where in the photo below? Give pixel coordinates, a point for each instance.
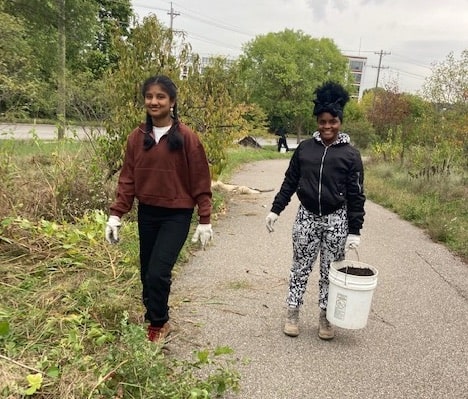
(61, 71)
(299, 131)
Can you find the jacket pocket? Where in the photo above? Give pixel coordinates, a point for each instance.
(156, 183)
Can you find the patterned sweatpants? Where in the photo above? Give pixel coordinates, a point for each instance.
(312, 234)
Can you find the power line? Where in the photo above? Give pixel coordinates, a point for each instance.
(214, 22)
(172, 13)
(412, 61)
(381, 54)
(149, 7)
(414, 75)
(211, 41)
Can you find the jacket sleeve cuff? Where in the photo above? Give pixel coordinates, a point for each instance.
(276, 210)
(204, 220)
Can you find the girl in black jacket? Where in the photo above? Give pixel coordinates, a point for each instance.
(326, 173)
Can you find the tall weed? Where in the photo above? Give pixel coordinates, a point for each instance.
(56, 181)
(436, 204)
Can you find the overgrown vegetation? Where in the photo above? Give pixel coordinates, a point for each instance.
(70, 319)
(71, 316)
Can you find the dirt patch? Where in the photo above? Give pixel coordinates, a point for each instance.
(356, 271)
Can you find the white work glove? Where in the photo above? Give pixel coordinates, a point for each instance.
(204, 234)
(352, 242)
(270, 221)
(112, 229)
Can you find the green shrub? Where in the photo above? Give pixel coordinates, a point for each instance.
(361, 132)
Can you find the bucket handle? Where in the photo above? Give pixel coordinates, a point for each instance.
(346, 274)
(357, 253)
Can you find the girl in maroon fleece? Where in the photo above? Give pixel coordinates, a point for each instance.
(166, 170)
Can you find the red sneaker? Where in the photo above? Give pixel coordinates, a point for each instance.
(157, 334)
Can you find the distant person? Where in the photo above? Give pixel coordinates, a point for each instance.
(326, 173)
(166, 170)
(282, 142)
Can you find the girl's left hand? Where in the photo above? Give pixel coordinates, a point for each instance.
(204, 234)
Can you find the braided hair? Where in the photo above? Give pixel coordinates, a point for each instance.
(174, 137)
(331, 97)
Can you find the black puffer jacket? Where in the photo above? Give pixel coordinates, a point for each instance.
(325, 179)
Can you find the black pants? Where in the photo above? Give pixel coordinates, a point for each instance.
(162, 232)
(282, 142)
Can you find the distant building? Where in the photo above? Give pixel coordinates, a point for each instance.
(357, 66)
(205, 62)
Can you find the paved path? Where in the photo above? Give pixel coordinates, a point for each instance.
(27, 131)
(415, 343)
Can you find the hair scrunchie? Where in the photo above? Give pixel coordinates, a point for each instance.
(334, 108)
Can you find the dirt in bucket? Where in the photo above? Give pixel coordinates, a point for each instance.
(357, 271)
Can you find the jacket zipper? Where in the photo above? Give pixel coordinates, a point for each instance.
(320, 181)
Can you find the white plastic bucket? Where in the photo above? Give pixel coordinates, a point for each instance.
(350, 294)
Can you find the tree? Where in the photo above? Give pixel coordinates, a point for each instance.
(283, 69)
(113, 17)
(448, 83)
(387, 109)
(356, 125)
(447, 89)
(67, 38)
(209, 103)
(18, 85)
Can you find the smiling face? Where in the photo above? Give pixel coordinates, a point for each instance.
(158, 105)
(328, 127)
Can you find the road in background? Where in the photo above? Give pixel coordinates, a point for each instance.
(26, 131)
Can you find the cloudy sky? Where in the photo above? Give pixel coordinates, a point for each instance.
(412, 34)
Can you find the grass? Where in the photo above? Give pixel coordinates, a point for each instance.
(241, 155)
(33, 148)
(437, 205)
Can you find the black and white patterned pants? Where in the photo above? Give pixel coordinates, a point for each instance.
(312, 234)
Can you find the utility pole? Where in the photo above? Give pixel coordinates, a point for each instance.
(381, 54)
(172, 14)
(61, 70)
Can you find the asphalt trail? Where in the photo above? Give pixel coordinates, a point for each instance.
(233, 294)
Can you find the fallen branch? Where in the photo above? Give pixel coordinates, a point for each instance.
(20, 364)
(236, 188)
(110, 374)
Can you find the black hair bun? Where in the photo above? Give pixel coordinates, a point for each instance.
(332, 93)
(330, 97)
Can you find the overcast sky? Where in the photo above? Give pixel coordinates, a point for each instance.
(415, 34)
